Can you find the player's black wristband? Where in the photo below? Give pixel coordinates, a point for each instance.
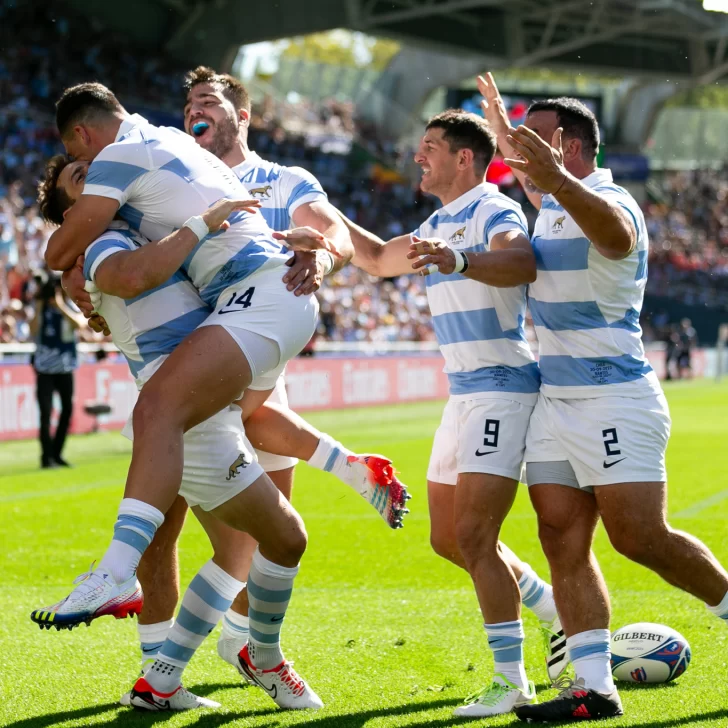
(466, 262)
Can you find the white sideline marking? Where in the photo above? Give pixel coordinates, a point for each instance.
(60, 492)
(700, 506)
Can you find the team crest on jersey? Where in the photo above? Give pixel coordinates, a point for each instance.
(261, 192)
(241, 461)
(558, 225)
(458, 236)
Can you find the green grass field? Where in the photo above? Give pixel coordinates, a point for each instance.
(386, 632)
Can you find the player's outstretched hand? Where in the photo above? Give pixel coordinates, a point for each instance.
(73, 283)
(99, 325)
(431, 256)
(492, 104)
(306, 239)
(542, 162)
(306, 273)
(216, 217)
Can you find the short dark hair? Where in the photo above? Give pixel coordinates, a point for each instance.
(52, 199)
(230, 87)
(575, 119)
(463, 130)
(85, 103)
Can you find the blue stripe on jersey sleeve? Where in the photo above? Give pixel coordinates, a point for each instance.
(524, 380)
(95, 250)
(578, 316)
(568, 371)
(303, 188)
(118, 175)
(479, 325)
(505, 217)
(178, 167)
(641, 272)
(561, 254)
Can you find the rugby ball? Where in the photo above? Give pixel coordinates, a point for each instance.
(649, 653)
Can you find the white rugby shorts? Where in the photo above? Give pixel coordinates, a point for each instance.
(218, 462)
(606, 440)
(485, 435)
(262, 305)
(269, 462)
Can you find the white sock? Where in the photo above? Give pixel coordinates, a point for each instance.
(207, 598)
(720, 610)
(235, 628)
(135, 526)
(505, 639)
(537, 595)
(152, 636)
(590, 655)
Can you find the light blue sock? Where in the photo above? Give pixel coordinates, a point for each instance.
(152, 636)
(269, 591)
(207, 598)
(135, 526)
(505, 639)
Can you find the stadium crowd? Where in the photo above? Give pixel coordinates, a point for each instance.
(688, 224)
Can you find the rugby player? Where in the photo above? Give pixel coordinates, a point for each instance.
(479, 269)
(597, 438)
(222, 482)
(290, 195)
(155, 178)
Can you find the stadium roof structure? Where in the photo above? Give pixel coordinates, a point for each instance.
(657, 41)
(646, 36)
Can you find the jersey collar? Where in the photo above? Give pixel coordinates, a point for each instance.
(597, 177)
(130, 123)
(460, 203)
(252, 160)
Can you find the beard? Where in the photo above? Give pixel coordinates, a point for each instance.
(223, 139)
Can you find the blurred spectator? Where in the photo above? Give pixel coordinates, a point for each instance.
(54, 326)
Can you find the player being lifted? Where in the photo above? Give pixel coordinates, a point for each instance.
(597, 439)
(479, 267)
(218, 107)
(155, 178)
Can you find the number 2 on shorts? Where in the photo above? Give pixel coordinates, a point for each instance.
(610, 438)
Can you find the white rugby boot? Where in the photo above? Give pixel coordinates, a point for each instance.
(500, 697)
(285, 686)
(97, 595)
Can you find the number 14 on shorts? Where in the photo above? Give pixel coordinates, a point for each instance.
(239, 302)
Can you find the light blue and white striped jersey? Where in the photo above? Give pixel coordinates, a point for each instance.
(160, 176)
(148, 328)
(280, 190)
(479, 327)
(586, 308)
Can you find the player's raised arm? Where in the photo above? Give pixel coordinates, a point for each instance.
(496, 115)
(609, 226)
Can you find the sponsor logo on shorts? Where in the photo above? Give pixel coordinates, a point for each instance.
(240, 462)
(614, 462)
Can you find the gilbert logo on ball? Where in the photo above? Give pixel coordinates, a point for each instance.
(649, 653)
